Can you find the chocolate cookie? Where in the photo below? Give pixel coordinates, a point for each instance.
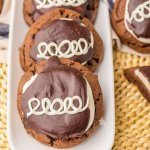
(33, 9)
(56, 112)
(131, 21)
(63, 33)
(140, 76)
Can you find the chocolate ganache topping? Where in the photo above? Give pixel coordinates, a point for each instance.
(56, 82)
(145, 71)
(84, 7)
(63, 38)
(137, 19)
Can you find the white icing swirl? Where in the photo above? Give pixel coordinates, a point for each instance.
(141, 13)
(57, 3)
(66, 106)
(74, 48)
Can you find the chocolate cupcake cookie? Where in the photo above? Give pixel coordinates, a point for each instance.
(33, 9)
(63, 33)
(140, 76)
(131, 21)
(56, 112)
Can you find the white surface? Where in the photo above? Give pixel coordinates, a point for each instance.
(18, 138)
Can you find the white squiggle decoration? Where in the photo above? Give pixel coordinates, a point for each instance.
(57, 3)
(75, 48)
(65, 107)
(138, 15)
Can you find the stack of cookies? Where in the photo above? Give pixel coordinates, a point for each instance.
(60, 100)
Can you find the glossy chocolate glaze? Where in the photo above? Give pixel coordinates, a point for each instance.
(57, 81)
(140, 29)
(58, 31)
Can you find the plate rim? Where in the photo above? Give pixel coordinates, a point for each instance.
(9, 79)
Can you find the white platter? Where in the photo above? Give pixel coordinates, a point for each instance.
(18, 138)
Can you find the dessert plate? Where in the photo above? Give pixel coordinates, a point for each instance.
(18, 138)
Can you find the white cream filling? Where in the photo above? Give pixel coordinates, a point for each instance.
(28, 83)
(91, 105)
(47, 103)
(139, 11)
(143, 79)
(69, 19)
(57, 3)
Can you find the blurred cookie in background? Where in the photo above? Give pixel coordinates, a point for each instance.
(131, 22)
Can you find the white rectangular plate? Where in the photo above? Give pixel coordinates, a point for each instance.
(18, 138)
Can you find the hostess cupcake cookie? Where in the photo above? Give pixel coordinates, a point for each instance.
(140, 76)
(33, 9)
(63, 33)
(56, 112)
(131, 21)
